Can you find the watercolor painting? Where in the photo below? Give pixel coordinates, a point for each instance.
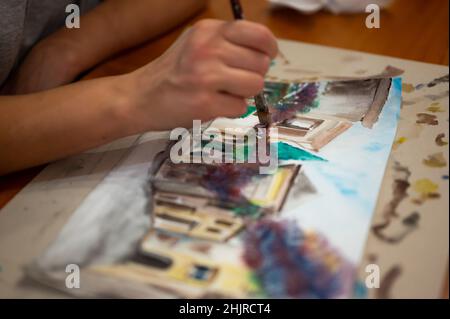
(224, 230)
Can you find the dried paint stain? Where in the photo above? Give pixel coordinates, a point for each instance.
(440, 140)
(435, 108)
(408, 88)
(426, 190)
(393, 228)
(429, 119)
(435, 160)
(399, 142)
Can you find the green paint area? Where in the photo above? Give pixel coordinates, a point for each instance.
(256, 287)
(287, 152)
(250, 111)
(247, 210)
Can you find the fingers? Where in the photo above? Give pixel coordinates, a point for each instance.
(239, 57)
(227, 105)
(251, 35)
(238, 82)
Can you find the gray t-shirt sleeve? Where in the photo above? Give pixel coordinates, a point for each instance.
(24, 22)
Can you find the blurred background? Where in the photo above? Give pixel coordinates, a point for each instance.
(409, 29)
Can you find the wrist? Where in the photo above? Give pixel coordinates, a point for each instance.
(126, 107)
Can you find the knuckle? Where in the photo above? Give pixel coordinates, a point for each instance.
(240, 105)
(252, 86)
(264, 64)
(236, 107)
(206, 80)
(197, 52)
(204, 99)
(263, 33)
(204, 24)
(256, 85)
(266, 40)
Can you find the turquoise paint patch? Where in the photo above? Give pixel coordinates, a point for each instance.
(287, 152)
(360, 290)
(250, 111)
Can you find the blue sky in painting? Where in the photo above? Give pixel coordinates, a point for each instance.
(349, 182)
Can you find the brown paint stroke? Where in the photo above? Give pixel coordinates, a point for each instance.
(429, 119)
(440, 140)
(438, 96)
(435, 160)
(400, 187)
(384, 292)
(433, 83)
(379, 100)
(409, 224)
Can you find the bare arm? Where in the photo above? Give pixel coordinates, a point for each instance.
(44, 126)
(109, 28)
(170, 92)
(118, 24)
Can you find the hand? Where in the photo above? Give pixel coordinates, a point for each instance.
(207, 73)
(51, 63)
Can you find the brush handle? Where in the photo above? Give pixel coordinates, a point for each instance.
(237, 9)
(260, 100)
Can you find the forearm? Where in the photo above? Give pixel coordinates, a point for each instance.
(41, 127)
(118, 24)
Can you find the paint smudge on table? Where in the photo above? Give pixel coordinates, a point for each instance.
(433, 83)
(438, 96)
(399, 141)
(408, 88)
(361, 72)
(440, 140)
(435, 160)
(435, 107)
(395, 226)
(426, 190)
(388, 281)
(351, 58)
(429, 119)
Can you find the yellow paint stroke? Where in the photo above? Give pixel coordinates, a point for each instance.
(426, 189)
(408, 88)
(435, 160)
(399, 142)
(435, 107)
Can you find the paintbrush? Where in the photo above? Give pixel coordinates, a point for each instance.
(262, 108)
